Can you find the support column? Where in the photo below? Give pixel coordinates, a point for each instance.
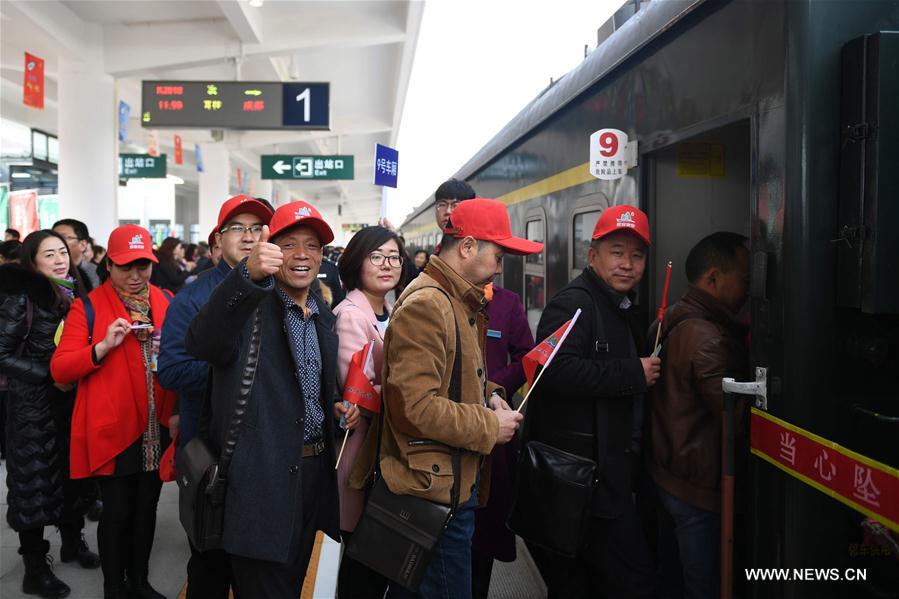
(88, 163)
(213, 183)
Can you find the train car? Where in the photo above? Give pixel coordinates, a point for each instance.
(777, 120)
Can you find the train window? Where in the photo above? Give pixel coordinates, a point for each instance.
(581, 233)
(535, 274)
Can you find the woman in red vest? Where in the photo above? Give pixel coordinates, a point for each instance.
(120, 422)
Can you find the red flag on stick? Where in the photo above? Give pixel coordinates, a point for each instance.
(662, 308)
(358, 388)
(544, 353)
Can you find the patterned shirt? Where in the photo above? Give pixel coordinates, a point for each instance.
(308, 360)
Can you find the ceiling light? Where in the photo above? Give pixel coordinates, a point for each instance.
(21, 175)
(256, 3)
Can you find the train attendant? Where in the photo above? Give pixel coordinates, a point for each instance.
(34, 299)
(120, 423)
(589, 403)
(370, 267)
(282, 487)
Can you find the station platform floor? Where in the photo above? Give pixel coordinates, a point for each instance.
(515, 580)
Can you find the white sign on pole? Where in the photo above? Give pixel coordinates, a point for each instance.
(609, 155)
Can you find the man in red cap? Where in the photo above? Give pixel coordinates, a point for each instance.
(270, 343)
(589, 403)
(237, 232)
(423, 426)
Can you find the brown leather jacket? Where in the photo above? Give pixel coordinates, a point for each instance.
(421, 423)
(704, 344)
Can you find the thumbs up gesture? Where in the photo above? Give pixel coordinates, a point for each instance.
(265, 259)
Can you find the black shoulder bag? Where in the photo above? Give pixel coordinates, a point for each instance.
(397, 534)
(554, 489)
(202, 477)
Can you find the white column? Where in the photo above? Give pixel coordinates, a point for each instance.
(88, 164)
(213, 182)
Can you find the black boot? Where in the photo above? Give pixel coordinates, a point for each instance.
(39, 579)
(74, 547)
(117, 592)
(139, 588)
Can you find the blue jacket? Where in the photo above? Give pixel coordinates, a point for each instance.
(178, 370)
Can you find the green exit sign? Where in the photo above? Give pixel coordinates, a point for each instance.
(141, 166)
(307, 167)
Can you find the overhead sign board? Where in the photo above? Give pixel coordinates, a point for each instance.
(306, 167)
(236, 104)
(386, 166)
(142, 166)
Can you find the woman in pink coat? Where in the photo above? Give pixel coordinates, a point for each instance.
(370, 267)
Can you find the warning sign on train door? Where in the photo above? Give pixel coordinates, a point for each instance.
(611, 154)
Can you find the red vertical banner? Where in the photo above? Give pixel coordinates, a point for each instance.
(152, 139)
(23, 214)
(239, 180)
(33, 94)
(179, 156)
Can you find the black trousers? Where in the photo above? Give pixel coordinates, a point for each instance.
(254, 578)
(355, 580)
(614, 562)
(127, 526)
(208, 574)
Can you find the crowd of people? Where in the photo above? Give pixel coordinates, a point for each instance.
(110, 355)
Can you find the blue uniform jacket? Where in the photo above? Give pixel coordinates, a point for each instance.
(178, 370)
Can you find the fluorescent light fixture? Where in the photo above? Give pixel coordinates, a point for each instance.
(174, 179)
(256, 3)
(21, 175)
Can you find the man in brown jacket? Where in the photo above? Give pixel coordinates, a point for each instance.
(702, 343)
(422, 424)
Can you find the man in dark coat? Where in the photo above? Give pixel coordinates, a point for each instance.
(281, 483)
(589, 403)
(238, 229)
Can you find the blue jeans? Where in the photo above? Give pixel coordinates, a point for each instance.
(449, 574)
(698, 534)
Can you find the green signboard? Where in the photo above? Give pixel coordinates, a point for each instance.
(307, 167)
(141, 166)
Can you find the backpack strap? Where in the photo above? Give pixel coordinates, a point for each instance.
(89, 316)
(600, 342)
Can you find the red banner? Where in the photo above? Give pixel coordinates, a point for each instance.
(33, 94)
(863, 484)
(179, 156)
(358, 388)
(23, 214)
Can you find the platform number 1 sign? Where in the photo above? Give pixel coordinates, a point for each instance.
(608, 154)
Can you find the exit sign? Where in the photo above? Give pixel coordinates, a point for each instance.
(307, 167)
(141, 166)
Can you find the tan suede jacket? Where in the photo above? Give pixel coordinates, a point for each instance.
(421, 423)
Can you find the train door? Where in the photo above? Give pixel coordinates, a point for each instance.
(696, 187)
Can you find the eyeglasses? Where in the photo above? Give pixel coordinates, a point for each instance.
(378, 260)
(444, 204)
(256, 230)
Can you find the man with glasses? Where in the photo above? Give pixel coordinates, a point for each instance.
(78, 239)
(238, 231)
(263, 318)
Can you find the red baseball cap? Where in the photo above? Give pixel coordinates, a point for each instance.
(297, 214)
(487, 220)
(129, 243)
(623, 218)
(239, 204)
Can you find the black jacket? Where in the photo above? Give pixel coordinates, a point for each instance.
(263, 504)
(169, 275)
(584, 402)
(39, 414)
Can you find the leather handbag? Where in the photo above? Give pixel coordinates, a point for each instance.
(397, 534)
(551, 505)
(203, 475)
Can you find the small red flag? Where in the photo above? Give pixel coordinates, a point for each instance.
(358, 388)
(179, 152)
(546, 349)
(167, 470)
(33, 86)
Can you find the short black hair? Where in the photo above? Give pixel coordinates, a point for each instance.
(10, 250)
(357, 250)
(14, 234)
(716, 250)
(78, 227)
(454, 189)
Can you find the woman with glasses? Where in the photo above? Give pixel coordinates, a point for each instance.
(370, 267)
(119, 426)
(34, 300)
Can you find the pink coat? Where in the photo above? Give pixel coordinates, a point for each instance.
(356, 326)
